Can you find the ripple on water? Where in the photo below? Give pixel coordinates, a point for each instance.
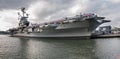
(31, 48)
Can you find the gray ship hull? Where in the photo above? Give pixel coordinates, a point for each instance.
(61, 33)
(73, 29)
(81, 26)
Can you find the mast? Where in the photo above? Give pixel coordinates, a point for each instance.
(24, 12)
(23, 17)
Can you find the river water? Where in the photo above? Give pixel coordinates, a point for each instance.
(41, 48)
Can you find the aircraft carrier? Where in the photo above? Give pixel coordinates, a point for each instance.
(81, 25)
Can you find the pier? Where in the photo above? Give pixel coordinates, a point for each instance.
(106, 36)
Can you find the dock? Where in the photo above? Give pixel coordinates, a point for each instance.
(106, 36)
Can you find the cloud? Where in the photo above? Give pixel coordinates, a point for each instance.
(55, 9)
(115, 1)
(12, 3)
(48, 10)
(8, 19)
(42, 10)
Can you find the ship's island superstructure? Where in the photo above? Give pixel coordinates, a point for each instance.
(78, 26)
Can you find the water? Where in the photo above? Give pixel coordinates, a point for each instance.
(31, 48)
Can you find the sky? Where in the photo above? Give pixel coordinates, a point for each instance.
(49, 10)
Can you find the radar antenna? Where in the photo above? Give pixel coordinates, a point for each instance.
(23, 18)
(23, 11)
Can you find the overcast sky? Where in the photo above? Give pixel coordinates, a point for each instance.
(47, 10)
